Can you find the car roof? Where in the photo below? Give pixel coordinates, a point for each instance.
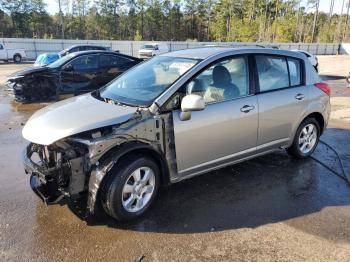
(95, 52)
(87, 45)
(302, 51)
(205, 52)
(89, 52)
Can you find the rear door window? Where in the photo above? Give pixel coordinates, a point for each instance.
(272, 71)
(112, 60)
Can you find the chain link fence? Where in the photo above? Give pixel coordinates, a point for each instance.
(35, 47)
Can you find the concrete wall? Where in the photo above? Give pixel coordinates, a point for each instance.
(34, 47)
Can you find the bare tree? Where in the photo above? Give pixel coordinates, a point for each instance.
(297, 23)
(315, 20)
(61, 18)
(276, 21)
(346, 23)
(337, 34)
(330, 18)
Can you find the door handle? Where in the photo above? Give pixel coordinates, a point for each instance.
(299, 96)
(247, 108)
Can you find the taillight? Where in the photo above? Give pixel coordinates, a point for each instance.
(324, 87)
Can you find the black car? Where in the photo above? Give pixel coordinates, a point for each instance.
(79, 48)
(75, 73)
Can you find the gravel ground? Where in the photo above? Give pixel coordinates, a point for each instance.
(272, 208)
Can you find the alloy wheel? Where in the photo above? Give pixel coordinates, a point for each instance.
(307, 138)
(138, 189)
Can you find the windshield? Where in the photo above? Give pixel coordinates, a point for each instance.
(145, 82)
(61, 61)
(148, 47)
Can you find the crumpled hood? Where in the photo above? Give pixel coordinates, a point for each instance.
(73, 116)
(27, 71)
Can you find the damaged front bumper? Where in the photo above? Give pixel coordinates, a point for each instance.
(53, 183)
(17, 89)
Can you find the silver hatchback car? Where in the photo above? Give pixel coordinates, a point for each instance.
(172, 117)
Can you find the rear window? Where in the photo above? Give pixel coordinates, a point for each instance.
(294, 71)
(277, 72)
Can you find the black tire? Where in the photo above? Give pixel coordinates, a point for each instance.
(112, 188)
(17, 58)
(294, 150)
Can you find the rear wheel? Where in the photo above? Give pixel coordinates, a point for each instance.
(130, 188)
(17, 58)
(306, 139)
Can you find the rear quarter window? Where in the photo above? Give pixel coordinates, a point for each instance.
(294, 66)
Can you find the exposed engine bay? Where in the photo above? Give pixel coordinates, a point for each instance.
(56, 170)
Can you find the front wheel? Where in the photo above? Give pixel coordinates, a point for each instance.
(306, 139)
(130, 188)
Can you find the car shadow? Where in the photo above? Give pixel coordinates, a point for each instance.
(268, 189)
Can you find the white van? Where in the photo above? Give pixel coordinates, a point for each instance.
(153, 49)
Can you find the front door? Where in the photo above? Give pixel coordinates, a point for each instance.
(226, 130)
(83, 75)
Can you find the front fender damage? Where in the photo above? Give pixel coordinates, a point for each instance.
(144, 131)
(79, 164)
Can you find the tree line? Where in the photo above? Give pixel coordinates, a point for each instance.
(177, 20)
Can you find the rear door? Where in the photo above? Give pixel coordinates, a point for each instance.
(281, 98)
(113, 65)
(226, 130)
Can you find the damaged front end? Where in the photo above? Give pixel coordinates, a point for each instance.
(56, 171)
(33, 87)
(79, 163)
(71, 154)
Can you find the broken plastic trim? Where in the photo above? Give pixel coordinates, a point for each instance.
(42, 192)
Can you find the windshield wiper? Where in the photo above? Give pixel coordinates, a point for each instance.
(117, 102)
(123, 103)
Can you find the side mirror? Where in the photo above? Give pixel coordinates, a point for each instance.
(191, 103)
(68, 68)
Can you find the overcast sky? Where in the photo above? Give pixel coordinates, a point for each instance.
(52, 6)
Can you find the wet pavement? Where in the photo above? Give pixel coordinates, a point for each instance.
(272, 208)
